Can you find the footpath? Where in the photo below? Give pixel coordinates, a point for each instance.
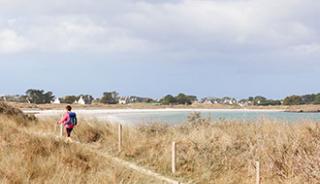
(132, 166)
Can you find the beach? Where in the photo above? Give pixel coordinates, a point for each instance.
(176, 116)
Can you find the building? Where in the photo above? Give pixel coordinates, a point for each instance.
(124, 100)
(224, 100)
(134, 99)
(81, 101)
(207, 101)
(56, 101)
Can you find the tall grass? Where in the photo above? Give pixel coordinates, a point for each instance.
(219, 151)
(207, 151)
(26, 157)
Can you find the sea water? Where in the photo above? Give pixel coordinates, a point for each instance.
(178, 116)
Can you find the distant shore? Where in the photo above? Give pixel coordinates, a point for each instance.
(303, 109)
(157, 107)
(55, 111)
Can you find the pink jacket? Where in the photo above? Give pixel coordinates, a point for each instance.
(65, 119)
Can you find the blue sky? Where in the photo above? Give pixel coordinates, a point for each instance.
(151, 48)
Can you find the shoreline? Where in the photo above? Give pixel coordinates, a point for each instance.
(151, 110)
(167, 115)
(142, 107)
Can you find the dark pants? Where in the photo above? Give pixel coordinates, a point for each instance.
(69, 130)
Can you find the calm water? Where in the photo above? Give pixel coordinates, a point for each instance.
(178, 116)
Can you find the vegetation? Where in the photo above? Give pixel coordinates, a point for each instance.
(69, 99)
(39, 96)
(88, 99)
(14, 98)
(30, 157)
(224, 151)
(293, 100)
(179, 99)
(207, 151)
(110, 98)
(168, 99)
(12, 112)
(302, 100)
(260, 101)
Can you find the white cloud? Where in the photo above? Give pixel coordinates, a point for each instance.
(11, 42)
(306, 48)
(84, 35)
(135, 26)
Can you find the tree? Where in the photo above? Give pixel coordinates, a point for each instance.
(270, 102)
(251, 98)
(179, 99)
(110, 98)
(88, 99)
(292, 100)
(317, 99)
(69, 99)
(184, 99)
(308, 99)
(259, 100)
(167, 100)
(39, 96)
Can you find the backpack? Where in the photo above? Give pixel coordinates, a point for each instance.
(72, 118)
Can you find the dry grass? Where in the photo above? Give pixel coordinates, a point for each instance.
(304, 108)
(140, 106)
(217, 151)
(207, 151)
(28, 158)
(15, 113)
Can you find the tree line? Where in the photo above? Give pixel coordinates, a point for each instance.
(260, 101)
(302, 100)
(181, 98)
(37, 96)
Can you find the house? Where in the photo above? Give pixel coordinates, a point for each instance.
(124, 100)
(81, 101)
(209, 102)
(56, 101)
(134, 99)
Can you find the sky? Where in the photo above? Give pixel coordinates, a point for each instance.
(215, 48)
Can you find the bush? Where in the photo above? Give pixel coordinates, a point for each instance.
(292, 100)
(179, 99)
(15, 113)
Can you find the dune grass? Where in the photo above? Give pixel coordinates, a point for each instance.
(207, 151)
(216, 151)
(225, 152)
(28, 158)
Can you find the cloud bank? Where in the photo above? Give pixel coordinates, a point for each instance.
(181, 26)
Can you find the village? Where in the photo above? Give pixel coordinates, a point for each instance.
(122, 100)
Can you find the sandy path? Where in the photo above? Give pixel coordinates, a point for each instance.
(114, 160)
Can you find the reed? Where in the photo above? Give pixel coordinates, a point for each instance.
(207, 151)
(216, 151)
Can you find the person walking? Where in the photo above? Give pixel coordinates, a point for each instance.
(69, 120)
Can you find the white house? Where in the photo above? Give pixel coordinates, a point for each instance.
(207, 102)
(81, 101)
(124, 100)
(56, 101)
